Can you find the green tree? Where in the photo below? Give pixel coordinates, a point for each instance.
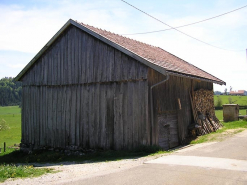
(10, 92)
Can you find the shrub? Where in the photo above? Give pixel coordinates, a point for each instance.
(219, 102)
(245, 118)
(230, 100)
(3, 125)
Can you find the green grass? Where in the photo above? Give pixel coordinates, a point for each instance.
(12, 115)
(240, 100)
(219, 113)
(228, 130)
(13, 171)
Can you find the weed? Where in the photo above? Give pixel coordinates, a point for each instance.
(13, 171)
(218, 102)
(3, 125)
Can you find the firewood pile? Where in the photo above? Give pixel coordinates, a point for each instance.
(202, 102)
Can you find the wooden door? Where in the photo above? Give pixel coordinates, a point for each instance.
(168, 130)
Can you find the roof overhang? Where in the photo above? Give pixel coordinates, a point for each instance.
(195, 77)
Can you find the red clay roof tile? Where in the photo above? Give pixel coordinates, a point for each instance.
(155, 55)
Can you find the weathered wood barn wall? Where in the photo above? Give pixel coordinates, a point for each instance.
(82, 92)
(167, 110)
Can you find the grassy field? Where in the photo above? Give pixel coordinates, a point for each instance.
(219, 113)
(12, 116)
(240, 100)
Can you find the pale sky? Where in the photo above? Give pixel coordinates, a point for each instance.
(27, 25)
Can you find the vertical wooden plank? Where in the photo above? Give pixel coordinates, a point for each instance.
(23, 115)
(37, 114)
(118, 119)
(68, 118)
(117, 65)
(146, 115)
(79, 55)
(73, 115)
(136, 115)
(130, 115)
(91, 116)
(110, 116)
(84, 58)
(104, 62)
(125, 115)
(59, 107)
(49, 116)
(111, 63)
(97, 61)
(65, 60)
(78, 114)
(96, 115)
(31, 117)
(63, 117)
(89, 66)
(69, 56)
(76, 57)
(86, 112)
(55, 115)
(81, 118)
(102, 117)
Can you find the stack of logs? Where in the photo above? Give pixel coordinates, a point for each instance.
(202, 102)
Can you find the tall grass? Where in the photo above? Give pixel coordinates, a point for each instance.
(226, 99)
(12, 116)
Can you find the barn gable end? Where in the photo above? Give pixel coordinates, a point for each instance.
(82, 92)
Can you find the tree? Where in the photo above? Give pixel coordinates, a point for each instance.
(225, 91)
(10, 92)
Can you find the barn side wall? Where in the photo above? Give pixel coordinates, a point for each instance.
(165, 98)
(82, 93)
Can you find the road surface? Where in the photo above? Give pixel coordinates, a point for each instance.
(211, 163)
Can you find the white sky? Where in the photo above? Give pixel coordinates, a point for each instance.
(26, 26)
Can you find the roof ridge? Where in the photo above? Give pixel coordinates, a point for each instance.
(116, 34)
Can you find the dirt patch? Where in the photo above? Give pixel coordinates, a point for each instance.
(224, 135)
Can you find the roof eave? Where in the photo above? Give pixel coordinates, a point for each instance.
(196, 77)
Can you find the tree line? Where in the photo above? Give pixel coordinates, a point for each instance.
(10, 92)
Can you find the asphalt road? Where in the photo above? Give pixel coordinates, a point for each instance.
(215, 163)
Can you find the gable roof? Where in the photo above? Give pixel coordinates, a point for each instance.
(154, 57)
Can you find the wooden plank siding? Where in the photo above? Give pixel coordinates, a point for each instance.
(81, 60)
(82, 93)
(99, 117)
(165, 99)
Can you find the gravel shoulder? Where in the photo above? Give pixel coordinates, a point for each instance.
(69, 172)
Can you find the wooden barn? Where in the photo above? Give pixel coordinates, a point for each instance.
(88, 88)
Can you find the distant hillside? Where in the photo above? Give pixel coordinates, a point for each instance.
(10, 92)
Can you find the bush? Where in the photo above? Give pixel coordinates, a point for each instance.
(230, 100)
(3, 125)
(245, 118)
(218, 102)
